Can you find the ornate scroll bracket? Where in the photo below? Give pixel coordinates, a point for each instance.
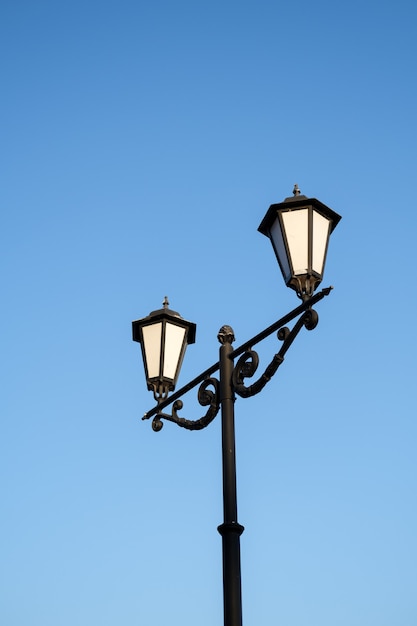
(246, 367)
(206, 397)
(247, 364)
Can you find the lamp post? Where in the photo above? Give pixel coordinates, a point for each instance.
(299, 229)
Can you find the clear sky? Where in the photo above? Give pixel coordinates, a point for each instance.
(141, 145)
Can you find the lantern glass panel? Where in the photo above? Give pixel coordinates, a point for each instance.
(174, 340)
(280, 250)
(321, 227)
(296, 231)
(152, 335)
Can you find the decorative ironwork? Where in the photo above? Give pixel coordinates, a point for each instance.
(247, 364)
(226, 335)
(246, 367)
(206, 397)
(299, 230)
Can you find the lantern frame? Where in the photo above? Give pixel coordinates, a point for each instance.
(299, 229)
(163, 336)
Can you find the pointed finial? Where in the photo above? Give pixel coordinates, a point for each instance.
(226, 335)
(296, 191)
(165, 302)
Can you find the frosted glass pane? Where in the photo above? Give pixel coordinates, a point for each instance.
(174, 336)
(279, 247)
(320, 233)
(152, 346)
(296, 229)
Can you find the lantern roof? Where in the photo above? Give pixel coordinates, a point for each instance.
(164, 313)
(296, 201)
(165, 310)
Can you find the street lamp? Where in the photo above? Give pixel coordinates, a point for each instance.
(299, 229)
(163, 336)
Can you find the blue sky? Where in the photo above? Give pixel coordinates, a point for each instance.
(142, 144)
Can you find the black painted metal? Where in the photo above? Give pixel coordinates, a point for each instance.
(222, 395)
(248, 362)
(304, 284)
(238, 351)
(160, 384)
(230, 530)
(206, 397)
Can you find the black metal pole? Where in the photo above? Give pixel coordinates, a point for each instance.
(230, 530)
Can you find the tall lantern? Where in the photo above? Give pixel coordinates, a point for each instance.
(299, 229)
(164, 336)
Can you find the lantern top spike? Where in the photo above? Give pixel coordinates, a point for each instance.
(296, 191)
(165, 311)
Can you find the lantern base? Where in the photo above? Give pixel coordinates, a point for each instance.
(304, 285)
(160, 390)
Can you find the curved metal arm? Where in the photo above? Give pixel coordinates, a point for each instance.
(206, 397)
(249, 361)
(245, 368)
